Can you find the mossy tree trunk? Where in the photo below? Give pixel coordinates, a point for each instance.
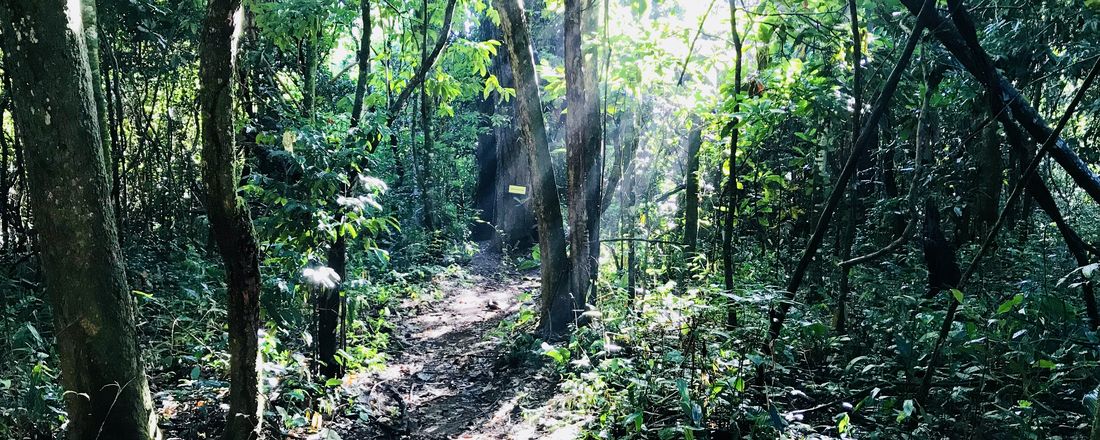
(230, 218)
(107, 392)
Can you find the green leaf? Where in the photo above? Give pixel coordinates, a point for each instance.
(1008, 305)
(334, 382)
(142, 294)
(1045, 363)
(842, 424)
(957, 294)
(195, 372)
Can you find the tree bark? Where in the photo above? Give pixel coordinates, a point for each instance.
(854, 211)
(582, 144)
(107, 392)
(556, 305)
(230, 218)
(691, 191)
(731, 184)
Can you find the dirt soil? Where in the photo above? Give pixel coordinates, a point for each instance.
(453, 379)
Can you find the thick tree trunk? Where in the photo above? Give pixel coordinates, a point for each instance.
(556, 309)
(582, 144)
(230, 218)
(485, 191)
(107, 393)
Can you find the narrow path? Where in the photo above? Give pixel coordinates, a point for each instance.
(453, 379)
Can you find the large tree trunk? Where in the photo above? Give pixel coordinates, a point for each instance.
(486, 155)
(230, 218)
(107, 393)
(556, 310)
(514, 215)
(582, 144)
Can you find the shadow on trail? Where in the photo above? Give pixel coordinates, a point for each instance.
(453, 378)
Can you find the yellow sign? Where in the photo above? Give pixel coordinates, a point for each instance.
(516, 189)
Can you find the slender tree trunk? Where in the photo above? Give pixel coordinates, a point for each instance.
(5, 186)
(91, 42)
(230, 218)
(426, 126)
(732, 191)
(334, 304)
(778, 314)
(556, 309)
(309, 76)
(691, 191)
(107, 392)
(582, 140)
(849, 233)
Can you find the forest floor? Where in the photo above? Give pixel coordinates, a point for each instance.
(455, 376)
(451, 372)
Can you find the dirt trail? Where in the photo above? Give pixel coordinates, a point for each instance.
(451, 376)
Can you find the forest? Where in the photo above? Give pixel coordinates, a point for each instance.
(549, 219)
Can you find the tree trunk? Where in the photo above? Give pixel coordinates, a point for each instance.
(691, 191)
(107, 393)
(849, 233)
(332, 305)
(732, 191)
(486, 156)
(556, 309)
(514, 214)
(582, 144)
(426, 126)
(988, 180)
(230, 218)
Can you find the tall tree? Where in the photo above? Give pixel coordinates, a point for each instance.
(230, 218)
(107, 392)
(731, 184)
(853, 208)
(691, 188)
(582, 145)
(332, 303)
(556, 309)
(425, 173)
